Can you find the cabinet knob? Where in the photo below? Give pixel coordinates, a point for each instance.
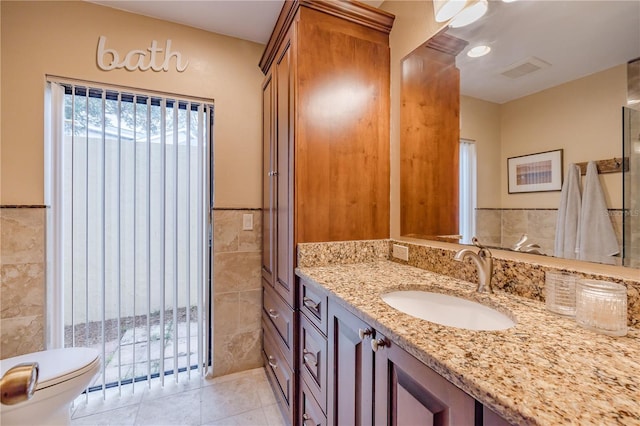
(364, 332)
(309, 358)
(309, 303)
(305, 418)
(273, 313)
(378, 343)
(272, 362)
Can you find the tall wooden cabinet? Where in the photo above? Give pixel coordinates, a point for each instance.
(326, 154)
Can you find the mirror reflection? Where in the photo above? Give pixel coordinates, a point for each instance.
(555, 79)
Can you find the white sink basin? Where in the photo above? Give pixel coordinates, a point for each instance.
(448, 310)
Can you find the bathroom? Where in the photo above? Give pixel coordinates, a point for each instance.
(61, 40)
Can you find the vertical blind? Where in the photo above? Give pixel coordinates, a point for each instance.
(131, 228)
(467, 191)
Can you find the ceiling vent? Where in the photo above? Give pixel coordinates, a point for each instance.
(524, 67)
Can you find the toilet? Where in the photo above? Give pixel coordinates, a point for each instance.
(64, 374)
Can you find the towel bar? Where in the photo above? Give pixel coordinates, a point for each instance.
(614, 165)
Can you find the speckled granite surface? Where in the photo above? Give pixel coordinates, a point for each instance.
(516, 277)
(545, 370)
(321, 254)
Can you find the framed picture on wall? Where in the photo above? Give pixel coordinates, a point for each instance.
(535, 172)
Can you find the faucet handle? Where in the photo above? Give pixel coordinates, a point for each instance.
(476, 243)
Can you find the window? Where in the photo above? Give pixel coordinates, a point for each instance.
(468, 180)
(129, 233)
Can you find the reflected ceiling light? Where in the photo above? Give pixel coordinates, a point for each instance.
(447, 9)
(508, 1)
(470, 14)
(476, 52)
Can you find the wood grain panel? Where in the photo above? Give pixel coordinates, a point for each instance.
(366, 16)
(350, 370)
(342, 133)
(268, 180)
(407, 392)
(284, 71)
(429, 143)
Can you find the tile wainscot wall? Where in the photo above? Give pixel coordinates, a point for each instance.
(22, 274)
(504, 227)
(237, 292)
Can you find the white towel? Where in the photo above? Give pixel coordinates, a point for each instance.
(568, 224)
(598, 241)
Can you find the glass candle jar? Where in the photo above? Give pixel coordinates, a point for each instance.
(601, 306)
(560, 292)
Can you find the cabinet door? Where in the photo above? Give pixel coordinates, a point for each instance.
(284, 278)
(410, 393)
(268, 180)
(350, 369)
(279, 373)
(313, 360)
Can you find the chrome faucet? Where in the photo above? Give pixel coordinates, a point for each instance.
(484, 263)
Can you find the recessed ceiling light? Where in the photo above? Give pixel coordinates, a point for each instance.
(478, 51)
(508, 1)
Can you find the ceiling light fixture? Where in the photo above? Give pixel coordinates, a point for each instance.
(470, 14)
(476, 52)
(447, 9)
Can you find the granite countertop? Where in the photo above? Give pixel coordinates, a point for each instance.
(545, 370)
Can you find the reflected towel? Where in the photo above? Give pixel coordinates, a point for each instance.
(598, 242)
(568, 225)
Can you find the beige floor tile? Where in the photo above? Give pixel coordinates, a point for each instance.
(156, 390)
(254, 418)
(180, 409)
(119, 417)
(229, 398)
(94, 403)
(243, 398)
(273, 415)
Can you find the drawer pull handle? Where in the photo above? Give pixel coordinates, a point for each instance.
(364, 332)
(377, 344)
(273, 313)
(305, 418)
(306, 355)
(309, 303)
(272, 362)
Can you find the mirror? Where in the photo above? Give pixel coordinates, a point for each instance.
(555, 79)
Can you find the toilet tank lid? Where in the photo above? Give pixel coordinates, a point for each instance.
(54, 363)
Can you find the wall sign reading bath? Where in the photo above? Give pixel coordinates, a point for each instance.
(143, 60)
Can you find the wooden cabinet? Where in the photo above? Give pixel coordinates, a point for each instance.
(373, 381)
(313, 364)
(410, 393)
(277, 230)
(350, 381)
(279, 372)
(430, 138)
(325, 103)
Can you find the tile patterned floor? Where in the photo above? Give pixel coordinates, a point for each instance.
(237, 399)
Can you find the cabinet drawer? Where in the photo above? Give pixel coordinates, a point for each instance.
(310, 413)
(278, 371)
(313, 360)
(281, 316)
(313, 303)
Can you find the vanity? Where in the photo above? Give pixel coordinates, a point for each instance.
(364, 362)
